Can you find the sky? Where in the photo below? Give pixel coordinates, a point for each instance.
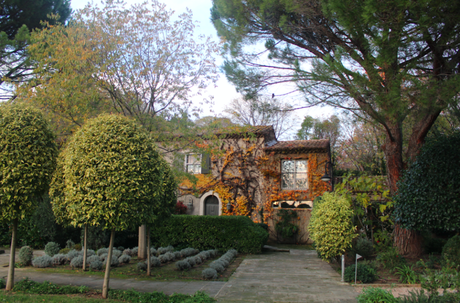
(223, 92)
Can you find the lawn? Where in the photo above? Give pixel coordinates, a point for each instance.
(18, 297)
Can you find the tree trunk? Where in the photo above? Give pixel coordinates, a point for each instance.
(148, 250)
(105, 287)
(408, 242)
(85, 249)
(10, 282)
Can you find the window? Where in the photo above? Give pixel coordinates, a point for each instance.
(294, 174)
(193, 163)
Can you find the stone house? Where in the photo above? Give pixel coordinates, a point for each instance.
(247, 171)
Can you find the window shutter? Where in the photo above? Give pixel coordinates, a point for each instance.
(205, 164)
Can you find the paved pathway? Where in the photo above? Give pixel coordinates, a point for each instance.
(295, 276)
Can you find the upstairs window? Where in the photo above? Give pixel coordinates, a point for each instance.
(193, 163)
(294, 174)
(197, 163)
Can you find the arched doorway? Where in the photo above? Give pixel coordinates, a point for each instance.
(211, 206)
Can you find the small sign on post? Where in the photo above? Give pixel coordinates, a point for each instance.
(356, 266)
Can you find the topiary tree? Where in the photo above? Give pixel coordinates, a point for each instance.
(428, 194)
(331, 225)
(111, 175)
(27, 161)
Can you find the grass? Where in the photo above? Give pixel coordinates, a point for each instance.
(166, 272)
(32, 298)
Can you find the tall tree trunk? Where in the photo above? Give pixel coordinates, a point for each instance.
(10, 282)
(148, 250)
(408, 242)
(85, 249)
(105, 287)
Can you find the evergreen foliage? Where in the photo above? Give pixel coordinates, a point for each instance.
(52, 248)
(429, 192)
(331, 227)
(451, 251)
(25, 255)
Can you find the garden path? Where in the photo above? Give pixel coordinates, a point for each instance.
(295, 276)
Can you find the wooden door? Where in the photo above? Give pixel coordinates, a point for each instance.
(211, 206)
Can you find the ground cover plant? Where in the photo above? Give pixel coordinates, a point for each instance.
(24, 288)
(135, 268)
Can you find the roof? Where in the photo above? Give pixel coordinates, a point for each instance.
(294, 146)
(235, 132)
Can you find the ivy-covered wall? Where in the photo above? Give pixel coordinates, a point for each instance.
(249, 178)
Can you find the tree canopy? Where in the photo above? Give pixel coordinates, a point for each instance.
(389, 61)
(17, 19)
(27, 161)
(139, 61)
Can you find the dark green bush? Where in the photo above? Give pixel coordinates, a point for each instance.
(376, 295)
(366, 274)
(390, 258)
(211, 232)
(363, 247)
(25, 255)
(428, 193)
(32, 287)
(2, 283)
(52, 248)
(451, 251)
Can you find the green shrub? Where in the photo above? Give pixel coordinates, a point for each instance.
(155, 262)
(42, 262)
(366, 274)
(376, 295)
(142, 266)
(25, 255)
(206, 232)
(407, 274)
(428, 192)
(451, 251)
(124, 259)
(65, 251)
(2, 283)
(209, 274)
(390, 258)
(77, 247)
(183, 265)
(69, 244)
(95, 264)
(331, 227)
(422, 297)
(51, 248)
(363, 247)
(32, 287)
(114, 262)
(77, 262)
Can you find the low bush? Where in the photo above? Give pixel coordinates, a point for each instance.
(218, 266)
(116, 253)
(42, 262)
(211, 232)
(142, 266)
(135, 296)
(59, 259)
(376, 295)
(135, 251)
(422, 297)
(406, 274)
(191, 261)
(120, 248)
(103, 257)
(451, 251)
(124, 259)
(155, 262)
(32, 287)
(77, 262)
(198, 260)
(209, 274)
(93, 258)
(69, 244)
(2, 284)
(52, 248)
(390, 258)
(366, 274)
(72, 254)
(77, 247)
(363, 247)
(25, 255)
(102, 251)
(183, 265)
(64, 251)
(96, 264)
(128, 252)
(114, 262)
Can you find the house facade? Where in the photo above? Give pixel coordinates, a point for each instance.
(247, 171)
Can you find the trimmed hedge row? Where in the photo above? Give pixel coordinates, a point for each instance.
(211, 232)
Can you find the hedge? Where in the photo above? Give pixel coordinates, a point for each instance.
(211, 232)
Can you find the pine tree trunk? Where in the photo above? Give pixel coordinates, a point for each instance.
(105, 287)
(10, 282)
(85, 249)
(148, 250)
